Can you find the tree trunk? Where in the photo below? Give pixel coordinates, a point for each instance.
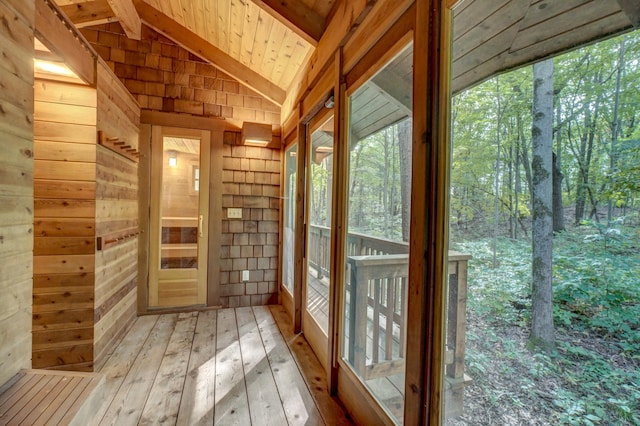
(558, 212)
(615, 128)
(404, 134)
(542, 329)
(329, 191)
(496, 195)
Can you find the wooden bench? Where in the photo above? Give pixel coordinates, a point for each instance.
(48, 397)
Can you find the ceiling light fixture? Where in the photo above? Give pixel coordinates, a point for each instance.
(173, 159)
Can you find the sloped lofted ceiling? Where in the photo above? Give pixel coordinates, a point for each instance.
(262, 43)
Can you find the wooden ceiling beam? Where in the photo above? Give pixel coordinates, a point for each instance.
(126, 13)
(208, 52)
(58, 35)
(89, 13)
(296, 16)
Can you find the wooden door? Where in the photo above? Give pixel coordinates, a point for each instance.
(179, 217)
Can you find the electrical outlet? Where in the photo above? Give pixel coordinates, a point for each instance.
(245, 275)
(234, 213)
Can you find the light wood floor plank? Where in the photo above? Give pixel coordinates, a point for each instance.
(299, 406)
(264, 400)
(164, 399)
(119, 363)
(196, 407)
(309, 367)
(129, 401)
(231, 404)
(228, 367)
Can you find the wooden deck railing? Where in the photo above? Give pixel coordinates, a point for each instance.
(378, 268)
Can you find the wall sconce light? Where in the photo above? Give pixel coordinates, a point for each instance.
(256, 134)
(173, 159)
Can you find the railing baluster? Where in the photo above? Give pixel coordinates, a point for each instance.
(376, 321)
(389, 326)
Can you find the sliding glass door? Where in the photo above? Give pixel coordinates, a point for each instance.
(378, 197)
(319, 201)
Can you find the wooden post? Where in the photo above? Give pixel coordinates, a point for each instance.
(300, 229)
(338, 220)
(429, 210)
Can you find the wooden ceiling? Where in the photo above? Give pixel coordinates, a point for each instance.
(492, 36)
(264, 43)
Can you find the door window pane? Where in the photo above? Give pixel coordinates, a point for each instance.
(378, 231)
(180, 222)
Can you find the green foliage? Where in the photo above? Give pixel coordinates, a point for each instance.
(593, 375)
(597, 311)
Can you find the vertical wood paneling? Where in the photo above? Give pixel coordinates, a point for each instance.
(16, 191)
(64, 258)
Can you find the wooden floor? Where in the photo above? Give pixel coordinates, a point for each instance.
(227, 367)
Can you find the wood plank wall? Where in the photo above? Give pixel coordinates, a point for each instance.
(164, 77)
(64, 235)
(116, 212)
(16, 190)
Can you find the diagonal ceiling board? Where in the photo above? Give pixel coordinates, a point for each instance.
(395, 95)
(205, 50)
(126, 13)
(89, 13)
(296, 16)
(632, 9)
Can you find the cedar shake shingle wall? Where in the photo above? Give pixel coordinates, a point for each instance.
(251, 181)
(16, 185)
(164, 77)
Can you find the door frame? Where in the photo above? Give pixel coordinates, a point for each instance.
(216, 127)
(156, 274)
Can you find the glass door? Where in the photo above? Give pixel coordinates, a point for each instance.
(319, 200)
(377, 240)
(179, 217)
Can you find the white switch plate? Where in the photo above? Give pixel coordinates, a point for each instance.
(234, 213)
(245, 275)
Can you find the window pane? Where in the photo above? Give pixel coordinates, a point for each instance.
(289, 216)
(378, 231)
(545, 183)
(319, 233)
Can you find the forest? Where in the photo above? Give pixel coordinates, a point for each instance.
(590, 373)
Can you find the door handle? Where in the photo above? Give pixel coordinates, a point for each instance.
(200, 226)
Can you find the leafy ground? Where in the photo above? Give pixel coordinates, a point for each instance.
(593, 376)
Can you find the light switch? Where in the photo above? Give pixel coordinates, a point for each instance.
(245, 275)
(234, 213)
